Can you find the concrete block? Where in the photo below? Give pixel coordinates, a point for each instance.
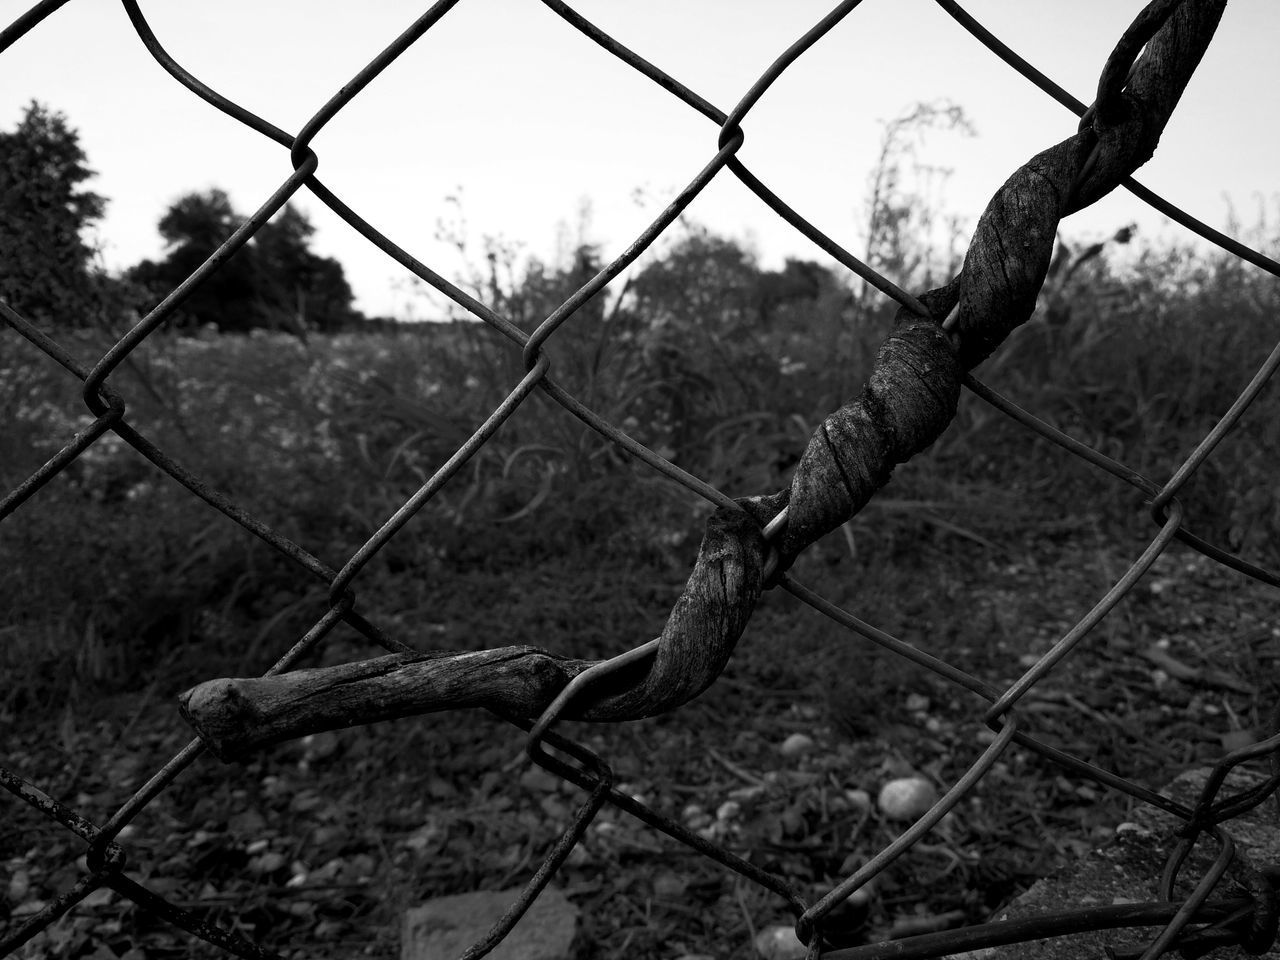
(1128, 869)
(443, 928)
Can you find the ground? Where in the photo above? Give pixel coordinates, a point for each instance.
(315, 849)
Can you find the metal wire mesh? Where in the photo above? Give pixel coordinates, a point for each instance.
(750, 544)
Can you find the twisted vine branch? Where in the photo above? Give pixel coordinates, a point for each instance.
(907, 402)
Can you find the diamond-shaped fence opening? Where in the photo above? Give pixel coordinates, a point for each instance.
(749, 545)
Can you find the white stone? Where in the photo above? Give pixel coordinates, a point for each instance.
(779, 943)
(860, 800)
(906, 798)
(441, 929)
(796, 745)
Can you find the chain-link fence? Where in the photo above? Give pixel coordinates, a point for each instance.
(749, 545)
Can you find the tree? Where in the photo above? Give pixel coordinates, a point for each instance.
(193, 228)
(295, 287)
(47, 268)
(275, 281)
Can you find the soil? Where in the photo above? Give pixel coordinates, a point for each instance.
(316, 848)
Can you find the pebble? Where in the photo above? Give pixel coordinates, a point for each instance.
(796, 745)
(906, 798)
(860, 800)
(779, 943)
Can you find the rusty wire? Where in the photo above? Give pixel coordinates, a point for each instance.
(1251, 921)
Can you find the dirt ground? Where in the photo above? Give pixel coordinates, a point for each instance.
(315, 849)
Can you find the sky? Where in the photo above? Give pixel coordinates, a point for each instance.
(544, 140)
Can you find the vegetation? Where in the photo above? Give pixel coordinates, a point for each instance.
(275, 282)
(122, 589)
(47, 265)
(49, 268)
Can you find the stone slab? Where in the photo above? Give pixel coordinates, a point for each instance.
(445, 927)
(1128, 869)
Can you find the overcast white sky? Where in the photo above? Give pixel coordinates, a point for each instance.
(506, 102)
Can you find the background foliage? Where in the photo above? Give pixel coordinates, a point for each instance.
(47, 264)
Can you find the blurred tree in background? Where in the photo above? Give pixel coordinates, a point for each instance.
(293, 282)
(192, 229)
(47, 262)
(275, 282)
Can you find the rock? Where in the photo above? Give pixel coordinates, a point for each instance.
(906, 798)
(695, 817)
(859, 800)
(443, 928)
(1127, 869)
(729, 810)
(780, 943)
(796, 745)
